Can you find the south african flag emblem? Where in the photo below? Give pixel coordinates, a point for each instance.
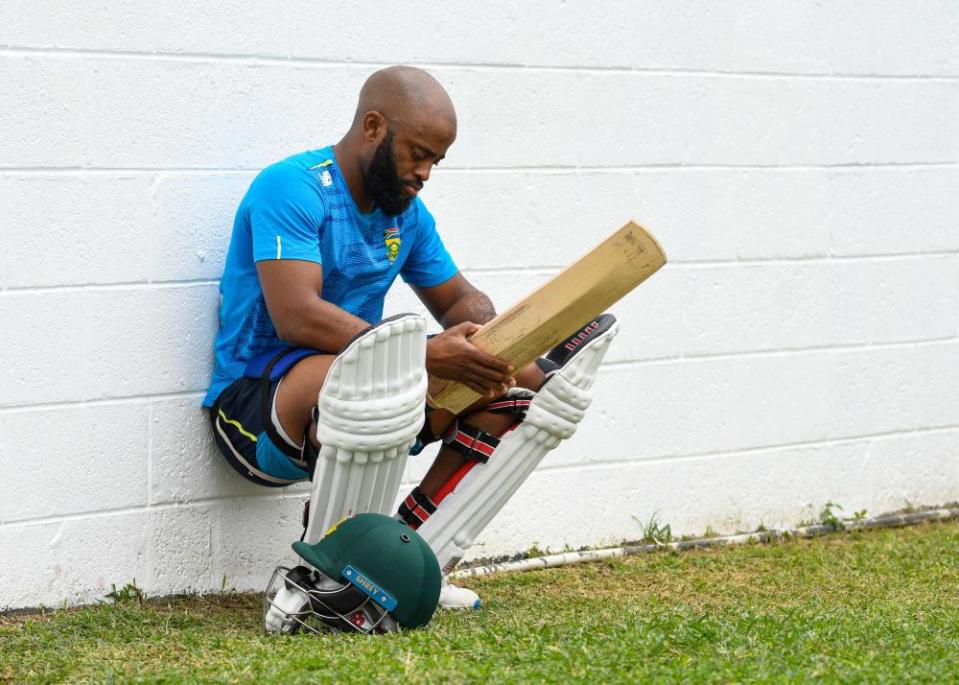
(391, 236)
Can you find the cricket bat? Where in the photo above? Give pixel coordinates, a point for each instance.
(580, 292)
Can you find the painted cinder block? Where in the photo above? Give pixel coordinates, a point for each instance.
(152, 340)
(184, 463)
(688, 310)
(5, 231)
(774, 37)
(911, 468)
(703, 406)
(75, 561)
(834, 38)
(520, 219)
(76, 229)
(43, 103)
(193, 221)
(180, 550)
(81, 458)
(186, 466)
(161, 113)
(98, 25)
(252, 536)
(43, 344)
(697, 310)
(732, 492)
(694, 119)
(74, 345)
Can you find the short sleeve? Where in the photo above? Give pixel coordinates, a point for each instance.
(285, 213)
(429, 263)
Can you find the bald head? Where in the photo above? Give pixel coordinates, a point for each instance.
(406, 96)
(403, 126)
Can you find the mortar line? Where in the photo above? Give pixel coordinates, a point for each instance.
(146, 508)
(557, 169)
(773, 261)
(204, 501)
(103, 401)
(283, 60)
(149, 454)
(746, 451)
(605, 367)
(746, 261)
(545, 270)
(119, 286)
(781, 352)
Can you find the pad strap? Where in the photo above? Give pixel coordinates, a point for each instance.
(471, 442)
(416, 508)
(506, 404)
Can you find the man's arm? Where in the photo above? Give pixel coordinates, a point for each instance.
(292, 290)
(459, 308)
(455, 301)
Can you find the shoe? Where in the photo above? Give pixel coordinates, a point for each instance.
(455, 597)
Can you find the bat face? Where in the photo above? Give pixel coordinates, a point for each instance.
(545, 317)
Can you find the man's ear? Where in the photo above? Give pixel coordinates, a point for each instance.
(374, 127)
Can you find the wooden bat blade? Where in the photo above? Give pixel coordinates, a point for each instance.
(580, 292)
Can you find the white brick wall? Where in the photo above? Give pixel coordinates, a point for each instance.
(798, 160)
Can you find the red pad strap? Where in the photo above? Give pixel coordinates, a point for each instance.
(510, 405)
(472, 443)
(416, 508)
(460, 473)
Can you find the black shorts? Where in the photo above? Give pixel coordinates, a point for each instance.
(246, 431)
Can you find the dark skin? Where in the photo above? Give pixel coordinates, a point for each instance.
(417, 113)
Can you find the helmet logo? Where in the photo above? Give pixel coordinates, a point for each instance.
(369, 588)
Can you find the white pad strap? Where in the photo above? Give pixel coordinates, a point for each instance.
(371, 409)
(553, 416)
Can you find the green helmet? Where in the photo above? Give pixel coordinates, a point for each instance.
(372, 574)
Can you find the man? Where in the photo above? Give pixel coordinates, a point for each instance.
(317, 241)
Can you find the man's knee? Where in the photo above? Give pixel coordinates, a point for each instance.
(489, 421)
(296, 396)
(531, 377)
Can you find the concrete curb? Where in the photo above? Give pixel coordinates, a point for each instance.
(569, 558)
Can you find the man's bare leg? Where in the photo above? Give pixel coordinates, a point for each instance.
(296, 396)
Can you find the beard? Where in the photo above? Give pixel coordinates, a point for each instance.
(382, 182)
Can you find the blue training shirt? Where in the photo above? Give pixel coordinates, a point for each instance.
(301, 208)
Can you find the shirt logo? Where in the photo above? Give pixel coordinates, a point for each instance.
(326, 180)
(391, 236)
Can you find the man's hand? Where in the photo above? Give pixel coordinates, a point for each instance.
(451, 356)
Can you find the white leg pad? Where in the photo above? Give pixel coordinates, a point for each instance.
(553, 416)
(371, 409)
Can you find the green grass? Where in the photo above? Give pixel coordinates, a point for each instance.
(874, 606)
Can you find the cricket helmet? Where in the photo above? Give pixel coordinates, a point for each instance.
(370, 574)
